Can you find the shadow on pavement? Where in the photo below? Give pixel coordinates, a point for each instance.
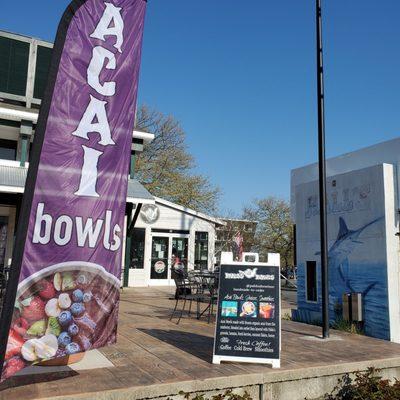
(197, 345)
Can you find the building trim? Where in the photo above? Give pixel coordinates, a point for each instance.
(14, 114)
(145, 136)
(187, 210)
(11, 189)
(136, 200)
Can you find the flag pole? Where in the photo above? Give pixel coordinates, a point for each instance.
(322, 175)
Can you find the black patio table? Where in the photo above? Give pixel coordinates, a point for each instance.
(207, 280)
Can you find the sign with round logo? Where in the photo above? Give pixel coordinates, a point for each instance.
(159, 267)
(150, 213)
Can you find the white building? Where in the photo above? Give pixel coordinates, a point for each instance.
(166, 233)
(363, 230)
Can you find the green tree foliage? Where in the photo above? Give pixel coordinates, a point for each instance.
(166, 168)
(365, 386)
(274, 233)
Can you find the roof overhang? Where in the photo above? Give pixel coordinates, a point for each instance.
(145, 136)
(13, 178)
(11, 189)
(138, 200)
(138, 194)
(16, 113)
(189, 211)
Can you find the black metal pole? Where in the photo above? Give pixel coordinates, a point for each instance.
(322, 176)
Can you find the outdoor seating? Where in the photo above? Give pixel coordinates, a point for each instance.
(209, 286)
(195, 286)
(187, 290)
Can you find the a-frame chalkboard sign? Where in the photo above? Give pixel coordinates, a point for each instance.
(248, 327)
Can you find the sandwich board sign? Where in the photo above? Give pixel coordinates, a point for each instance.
(248, 325)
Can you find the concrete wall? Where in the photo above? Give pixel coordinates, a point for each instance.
(363, 247)
(311, 383)
(386, 152)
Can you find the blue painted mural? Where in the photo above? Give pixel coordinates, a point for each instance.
(339, 267)
(350, 276)
(364, 247)
(347, 277)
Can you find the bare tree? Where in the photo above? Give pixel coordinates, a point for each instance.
(274, 232)
(166, 168)
(236, 230)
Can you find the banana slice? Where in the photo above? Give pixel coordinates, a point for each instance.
(57, 281)
(52, 308)
(28, 350)
(46, 347)
(64, 301)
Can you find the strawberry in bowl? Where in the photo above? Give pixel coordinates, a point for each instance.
(61, 312)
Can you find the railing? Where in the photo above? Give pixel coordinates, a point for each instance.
(288, 282)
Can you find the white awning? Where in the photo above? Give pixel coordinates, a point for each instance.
(12, 180)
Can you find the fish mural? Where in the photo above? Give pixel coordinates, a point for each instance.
(362, 252)
(340, 278)
(350, 273)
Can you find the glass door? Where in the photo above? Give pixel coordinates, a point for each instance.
(159, 259)
(169, 253)
(179, 255)
(201, 250)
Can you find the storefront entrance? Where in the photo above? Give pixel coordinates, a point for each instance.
(167, 251)
(178, 237)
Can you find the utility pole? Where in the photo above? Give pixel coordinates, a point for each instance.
(322, 176)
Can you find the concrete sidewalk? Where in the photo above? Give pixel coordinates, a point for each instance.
(155, 357)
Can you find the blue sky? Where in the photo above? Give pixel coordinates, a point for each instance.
(240, 77)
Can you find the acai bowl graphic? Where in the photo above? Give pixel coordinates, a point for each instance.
(248, 309)
(62, 310)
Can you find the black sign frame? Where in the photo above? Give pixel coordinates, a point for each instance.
(248, 322)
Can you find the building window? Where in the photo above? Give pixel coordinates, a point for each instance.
(201, 250)
(311, 281)
(43, 60)
(14, 58)
(8, 149)
(137, 248)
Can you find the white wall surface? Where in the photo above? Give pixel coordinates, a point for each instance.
(387, 152)
(392, 253)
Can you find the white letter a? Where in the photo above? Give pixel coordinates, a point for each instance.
(95, 110)
(111, 23)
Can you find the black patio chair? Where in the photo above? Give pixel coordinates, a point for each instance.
(209, 286)
(187, 290)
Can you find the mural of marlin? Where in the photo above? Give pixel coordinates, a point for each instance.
(338, 259)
